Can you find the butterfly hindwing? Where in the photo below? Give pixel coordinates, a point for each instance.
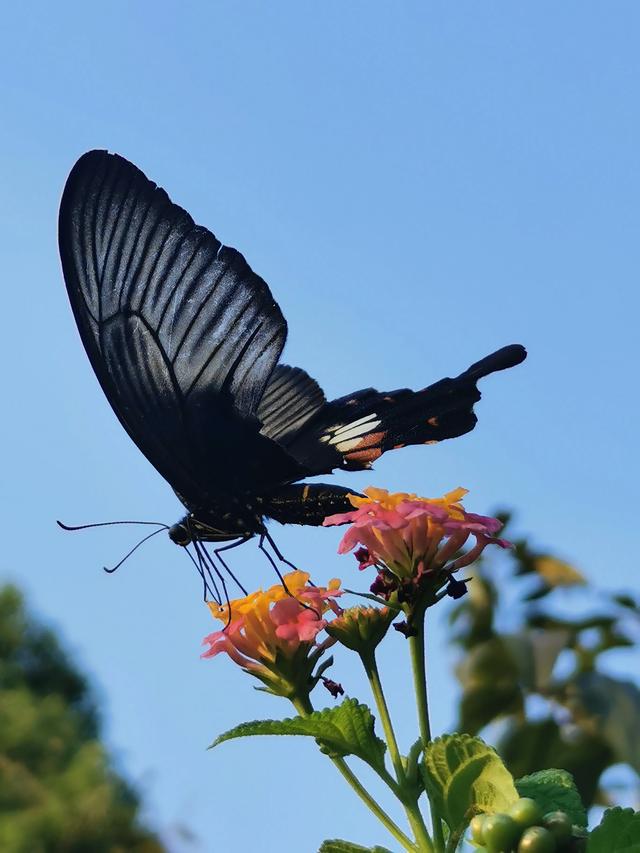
(353, 431)
(290, 399)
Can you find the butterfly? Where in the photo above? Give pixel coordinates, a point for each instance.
(185, 340)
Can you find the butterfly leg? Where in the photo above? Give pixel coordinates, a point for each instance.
(207, 588)
(235, 544)
(265, 535)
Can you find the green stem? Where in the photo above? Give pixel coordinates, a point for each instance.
(423, 839)
(304, 708)
(418, 665)
(416, 647)
(413, 812)
(371, 668)
(377, 810)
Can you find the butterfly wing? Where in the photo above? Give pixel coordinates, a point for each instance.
(182, 334)
(353, 431)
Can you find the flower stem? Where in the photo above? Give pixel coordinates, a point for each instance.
(371, 668)
(304, 708)
(377, 810)
(418, 665)
(416, 648)
(411, 808)
(423, 840)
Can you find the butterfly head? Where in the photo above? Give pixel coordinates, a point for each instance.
(180, 534)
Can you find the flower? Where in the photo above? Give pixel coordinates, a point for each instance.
(271, 633)
(413, 541)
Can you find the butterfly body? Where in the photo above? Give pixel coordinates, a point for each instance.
(242, 518)
(185, 340)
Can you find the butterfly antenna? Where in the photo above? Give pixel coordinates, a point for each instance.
(73, 527)
(135, 548)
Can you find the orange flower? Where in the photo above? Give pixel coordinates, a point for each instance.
(271, 634)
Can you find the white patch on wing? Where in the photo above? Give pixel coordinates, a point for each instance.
(348, 427)
(354, 432)
(346, 446)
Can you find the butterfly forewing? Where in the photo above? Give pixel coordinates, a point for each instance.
(181, 333)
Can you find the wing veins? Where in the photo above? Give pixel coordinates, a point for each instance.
(177, 213)
(114, 228)
(125, 276)
(201, 307)
(264, 348)
(183, 273)
(214, 352)
(94, 247)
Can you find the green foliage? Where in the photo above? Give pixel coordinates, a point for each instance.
(554, 790)
(337, 845)
(599, 724)
(613, 708)
(347, 729)
(58, 789)
(532, 745)
(464, 776)
(619, 832)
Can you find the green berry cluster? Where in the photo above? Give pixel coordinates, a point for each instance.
(524, 829)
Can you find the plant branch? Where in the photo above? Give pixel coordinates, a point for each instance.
(305, 708)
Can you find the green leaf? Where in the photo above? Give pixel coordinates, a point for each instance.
(526, 657)
(337, 845)
(465, 776)
(480, 705)
(529, 746)
(554, 790)
(619, 832)
(489, 676)
(613, 707)
(347, 729)
(626, 601)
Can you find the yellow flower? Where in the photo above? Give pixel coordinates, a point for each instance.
(271, 633)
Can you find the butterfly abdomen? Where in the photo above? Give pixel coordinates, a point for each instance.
(307, 503)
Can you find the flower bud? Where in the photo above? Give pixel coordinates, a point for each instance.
(361, 628)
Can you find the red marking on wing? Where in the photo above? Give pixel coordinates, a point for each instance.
(368, 448)
(369, 455)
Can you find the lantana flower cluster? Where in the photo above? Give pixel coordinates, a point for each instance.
(414, 542)
(416, 546)
(271, 633)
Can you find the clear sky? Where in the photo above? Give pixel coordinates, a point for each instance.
(420, 183)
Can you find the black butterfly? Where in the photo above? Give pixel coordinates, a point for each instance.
(185, 340)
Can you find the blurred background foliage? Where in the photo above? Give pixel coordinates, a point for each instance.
(540, 684)
(58, 787)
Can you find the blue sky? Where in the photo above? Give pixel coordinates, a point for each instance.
(420, 183)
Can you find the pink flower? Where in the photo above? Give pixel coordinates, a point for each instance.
(271, 634)
(412, 536)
